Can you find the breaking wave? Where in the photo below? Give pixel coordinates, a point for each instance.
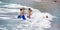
(38, 19)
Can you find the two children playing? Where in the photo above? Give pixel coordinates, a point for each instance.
(22, 11)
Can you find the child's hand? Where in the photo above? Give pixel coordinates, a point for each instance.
(29, 17)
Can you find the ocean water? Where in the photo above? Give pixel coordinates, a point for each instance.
(9, 12)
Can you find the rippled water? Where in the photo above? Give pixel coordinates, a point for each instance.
(9, 21)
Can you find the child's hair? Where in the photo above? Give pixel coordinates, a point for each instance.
(20, 9)
(23, 8)
(29, 9)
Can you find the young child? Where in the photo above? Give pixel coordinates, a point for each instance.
(29, 13)
(21, 14)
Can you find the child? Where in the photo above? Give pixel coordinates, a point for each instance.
(29, 13)
(21, 14)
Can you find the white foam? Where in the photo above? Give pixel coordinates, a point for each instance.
(3, 28)
(5, 17)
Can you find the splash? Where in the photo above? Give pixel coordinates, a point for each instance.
(0, 1)
(38, 19)
(3, 28)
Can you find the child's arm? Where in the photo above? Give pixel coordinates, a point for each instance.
(19, 12)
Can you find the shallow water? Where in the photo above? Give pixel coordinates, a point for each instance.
(8, 19)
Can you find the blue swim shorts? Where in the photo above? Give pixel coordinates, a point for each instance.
(23, 17)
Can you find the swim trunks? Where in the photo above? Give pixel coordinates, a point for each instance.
(23, 17)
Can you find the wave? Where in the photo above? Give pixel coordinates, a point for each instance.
(38, 19)
(0, 1)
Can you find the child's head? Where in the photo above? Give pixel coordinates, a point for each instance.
(30, 9)
(20, 9)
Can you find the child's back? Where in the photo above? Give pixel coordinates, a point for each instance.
(21, 14)
(29, 13)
